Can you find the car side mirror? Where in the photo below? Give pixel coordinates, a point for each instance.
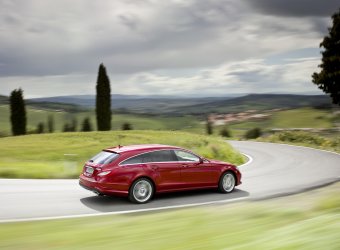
(201, 160)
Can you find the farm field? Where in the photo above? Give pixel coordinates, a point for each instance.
(137, 121)
(294, 118)
(284, 119)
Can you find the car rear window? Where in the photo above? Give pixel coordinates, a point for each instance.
(104, 157)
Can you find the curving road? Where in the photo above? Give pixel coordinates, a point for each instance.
(275, 170)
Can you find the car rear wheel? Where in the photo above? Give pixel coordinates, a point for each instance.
(227, 182)
(141, 191)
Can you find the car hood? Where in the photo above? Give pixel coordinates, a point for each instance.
(219, 162)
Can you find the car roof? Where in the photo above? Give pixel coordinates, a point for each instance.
(130, 148)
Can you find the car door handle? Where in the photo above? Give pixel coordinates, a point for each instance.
(154, 167)
(185, 165)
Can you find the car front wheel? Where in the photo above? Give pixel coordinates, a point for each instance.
(141, 191)
(227, 182)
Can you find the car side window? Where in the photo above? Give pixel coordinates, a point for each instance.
(133, 160)
(162, 156)
(147, 157)
(186, 156)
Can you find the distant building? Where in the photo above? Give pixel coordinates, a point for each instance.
(222, 119)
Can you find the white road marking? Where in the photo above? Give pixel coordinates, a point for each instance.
(250, 160)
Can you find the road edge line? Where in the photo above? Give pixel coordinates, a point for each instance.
(250, 160)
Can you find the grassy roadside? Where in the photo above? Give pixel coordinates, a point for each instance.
(305, 221)
(307, 139)
(62, 155)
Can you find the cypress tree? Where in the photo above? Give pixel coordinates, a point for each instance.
(50, 123)
(209, 127)
(103, 100)
(40, 128)
(74, 125)
(86, 125)
(328, 79)
(18, 112)
(67, 127)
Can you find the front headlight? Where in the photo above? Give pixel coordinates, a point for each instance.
(104, 173)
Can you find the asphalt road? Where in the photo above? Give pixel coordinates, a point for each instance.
(275, 170)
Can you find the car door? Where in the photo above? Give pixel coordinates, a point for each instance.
(166, 171)
(194, 173)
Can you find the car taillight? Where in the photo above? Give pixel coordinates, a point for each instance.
(104, 173)
(88, 171)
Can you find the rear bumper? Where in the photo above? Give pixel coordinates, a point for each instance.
(89, 188)
(100, 188)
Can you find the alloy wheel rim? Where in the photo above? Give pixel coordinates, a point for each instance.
(142, 191)
(228, 182)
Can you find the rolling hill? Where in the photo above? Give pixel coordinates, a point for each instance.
(259, 102)
(181, 105)
(133, 103)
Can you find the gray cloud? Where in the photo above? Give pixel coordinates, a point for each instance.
(44, 39)
(128, 37)
(297, 8)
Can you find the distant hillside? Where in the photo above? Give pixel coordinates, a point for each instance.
(180, 105)
(259, 102)
(56, 106)
(46, 105)
(3, 99)
(132, 103)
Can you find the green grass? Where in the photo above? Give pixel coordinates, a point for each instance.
(307, 139)
(294, 118)
(149, 122)
(62, 155)
(302, 118)
(34, 116)
(306, 221)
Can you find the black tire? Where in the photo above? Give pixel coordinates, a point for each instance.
(227, 182)
(141, 191)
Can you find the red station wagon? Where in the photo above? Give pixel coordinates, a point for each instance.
(140, 171)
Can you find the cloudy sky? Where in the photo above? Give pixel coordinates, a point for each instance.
(177, 47)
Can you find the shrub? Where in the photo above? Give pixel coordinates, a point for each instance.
(86, 125)
(306, 139)
(301, 137)
(126, 126)
(253, 133)
(40, 128)
(225, 132)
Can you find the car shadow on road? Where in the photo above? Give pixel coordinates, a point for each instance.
(114, 204)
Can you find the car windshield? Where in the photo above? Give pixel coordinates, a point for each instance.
(104, 157)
